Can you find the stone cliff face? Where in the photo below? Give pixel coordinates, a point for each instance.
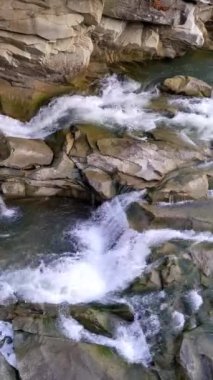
(44, 43)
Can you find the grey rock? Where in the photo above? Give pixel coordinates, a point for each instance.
(196, 354)
(189, 86)
(47, 358)
(27, 153)
(6, 371)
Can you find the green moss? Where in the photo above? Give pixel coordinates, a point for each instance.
(23, 103)
(105, 351)
(23, 106)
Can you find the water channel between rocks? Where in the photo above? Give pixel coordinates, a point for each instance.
(63, 252)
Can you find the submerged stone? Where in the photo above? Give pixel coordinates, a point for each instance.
(189, 86)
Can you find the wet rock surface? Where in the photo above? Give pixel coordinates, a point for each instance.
(6, 371)
(196, 354)
(60, 358)
(187, 86)
(27, 154)
(172, 292)
(101, 165)
(190, 215)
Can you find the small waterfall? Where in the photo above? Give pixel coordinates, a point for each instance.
(6, 343)
(129, 340)
(107, 257)
(120, 104)
(5, 211)
(117, 105)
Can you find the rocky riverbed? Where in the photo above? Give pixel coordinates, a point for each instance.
(119, 286)
(106, 190)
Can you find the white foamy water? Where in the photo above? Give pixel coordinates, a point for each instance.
(129, 340)
(195, 300)
(118, 105)
(109, 257)
(6, 343)
(178, 321)
(105, 246)
(6, 212)
(122, 105)
(195, 116)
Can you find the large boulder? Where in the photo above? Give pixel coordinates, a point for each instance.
(101, 182)
(183, 85)
(148, 160)
(196, 354)
(27, 153)
(181, 184)
(49, 358)
(195, 215)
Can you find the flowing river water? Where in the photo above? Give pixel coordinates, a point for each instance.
(67, 252)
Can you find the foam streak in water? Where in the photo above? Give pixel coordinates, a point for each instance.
(6, 343)
(129, 340)
(118, 105)
(6, 212)
(195, 116)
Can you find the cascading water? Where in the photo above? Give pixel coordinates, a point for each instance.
(109, 255)
(121, 105)
(118, 105)
(6, 212)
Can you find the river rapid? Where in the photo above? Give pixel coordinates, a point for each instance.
(66, 252)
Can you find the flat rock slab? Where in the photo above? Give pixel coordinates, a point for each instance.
(196, 215)
(27, 153)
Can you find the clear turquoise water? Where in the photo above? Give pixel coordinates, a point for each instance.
(198, 64)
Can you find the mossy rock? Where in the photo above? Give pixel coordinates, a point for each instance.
(60, 358)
